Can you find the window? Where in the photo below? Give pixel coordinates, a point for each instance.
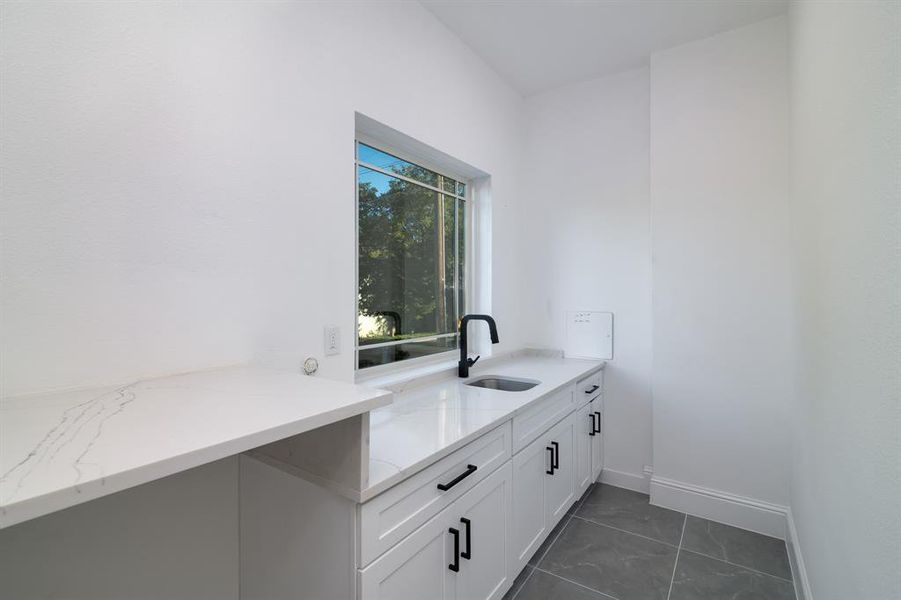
(411, 226)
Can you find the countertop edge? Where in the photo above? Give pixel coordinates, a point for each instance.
(37, 506)
(389, 482)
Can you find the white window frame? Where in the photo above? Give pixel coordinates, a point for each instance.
(468, 249)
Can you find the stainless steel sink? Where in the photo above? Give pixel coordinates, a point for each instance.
(503, 384)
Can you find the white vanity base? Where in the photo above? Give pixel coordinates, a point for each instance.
(461, 525)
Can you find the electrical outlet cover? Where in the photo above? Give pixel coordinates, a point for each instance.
(332, 340)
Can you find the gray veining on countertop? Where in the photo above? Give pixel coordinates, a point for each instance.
(62, 448)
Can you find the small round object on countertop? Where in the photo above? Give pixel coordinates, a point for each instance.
(310, 366)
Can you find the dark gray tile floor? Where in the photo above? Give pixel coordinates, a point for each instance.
(612, 544)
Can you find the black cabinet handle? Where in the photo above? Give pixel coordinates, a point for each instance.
(599, 422)
(551, 470)
(556, 455)
(455, 566)
(467, 554)
(470, 469)
(594, 425)
(592, 390)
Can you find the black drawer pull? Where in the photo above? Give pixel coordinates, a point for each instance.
(594, 425)
(467, 554)
(551, 470)
(592, 390)
(599, 422)
(455, 566)
(470, 469)
(556, 455)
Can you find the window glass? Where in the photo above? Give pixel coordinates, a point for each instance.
(411, 241)
(382, 161)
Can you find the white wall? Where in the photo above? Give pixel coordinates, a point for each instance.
(174, 173)
(586, 219)
(846, 468)
(721, 277)
(178, 193)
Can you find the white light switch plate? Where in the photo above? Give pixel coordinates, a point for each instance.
(332, 340)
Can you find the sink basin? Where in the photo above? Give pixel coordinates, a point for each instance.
(503, 384)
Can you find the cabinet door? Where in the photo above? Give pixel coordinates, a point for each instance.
(416, 568)
(560, 487)
(485, 523)
(583, 421)
(529, 513)
(597, 442)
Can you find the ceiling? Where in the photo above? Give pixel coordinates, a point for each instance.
(537, 45)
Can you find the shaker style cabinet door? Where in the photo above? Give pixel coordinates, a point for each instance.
(485, 521)
(584, 422)
(560, 487)
(529, 513)
(597, 442)
(416, 568)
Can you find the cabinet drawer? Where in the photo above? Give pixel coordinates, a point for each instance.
(590, 387)
(540, 417)
(390, 516)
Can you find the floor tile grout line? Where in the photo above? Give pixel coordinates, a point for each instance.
(524, 581)
(624, 531)
(565, 522)
(554, 541)
(568, 516)
(684, 526)
(676, 563)
(752, 569)
(574, 583)
(585, 496)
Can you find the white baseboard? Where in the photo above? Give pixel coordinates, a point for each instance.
(722, 507)
(799, 571)
(630, 481)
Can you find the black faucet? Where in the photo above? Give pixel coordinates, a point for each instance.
(465, 361)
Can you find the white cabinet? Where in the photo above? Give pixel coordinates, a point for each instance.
(591, 425)
(560, 484)
(536, 419)
(597, 440)
(484, 509)
(484, 523)
(459, 554)
(543, 488)
(389, 517)
(414, 569)
(589, 444)
(530, 524)
(584, 423)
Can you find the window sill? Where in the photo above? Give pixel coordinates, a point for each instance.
(400, 378)
(404, 377)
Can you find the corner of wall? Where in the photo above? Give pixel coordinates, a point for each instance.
(796, 560)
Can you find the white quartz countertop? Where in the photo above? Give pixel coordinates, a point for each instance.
(426, 423)
(61, 449)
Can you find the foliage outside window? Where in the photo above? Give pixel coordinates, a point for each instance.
(411, 239)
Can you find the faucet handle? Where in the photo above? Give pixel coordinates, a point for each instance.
(472, 361)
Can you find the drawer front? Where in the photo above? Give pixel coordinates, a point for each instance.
(590, 387)
(540, 417)
(392, 515)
